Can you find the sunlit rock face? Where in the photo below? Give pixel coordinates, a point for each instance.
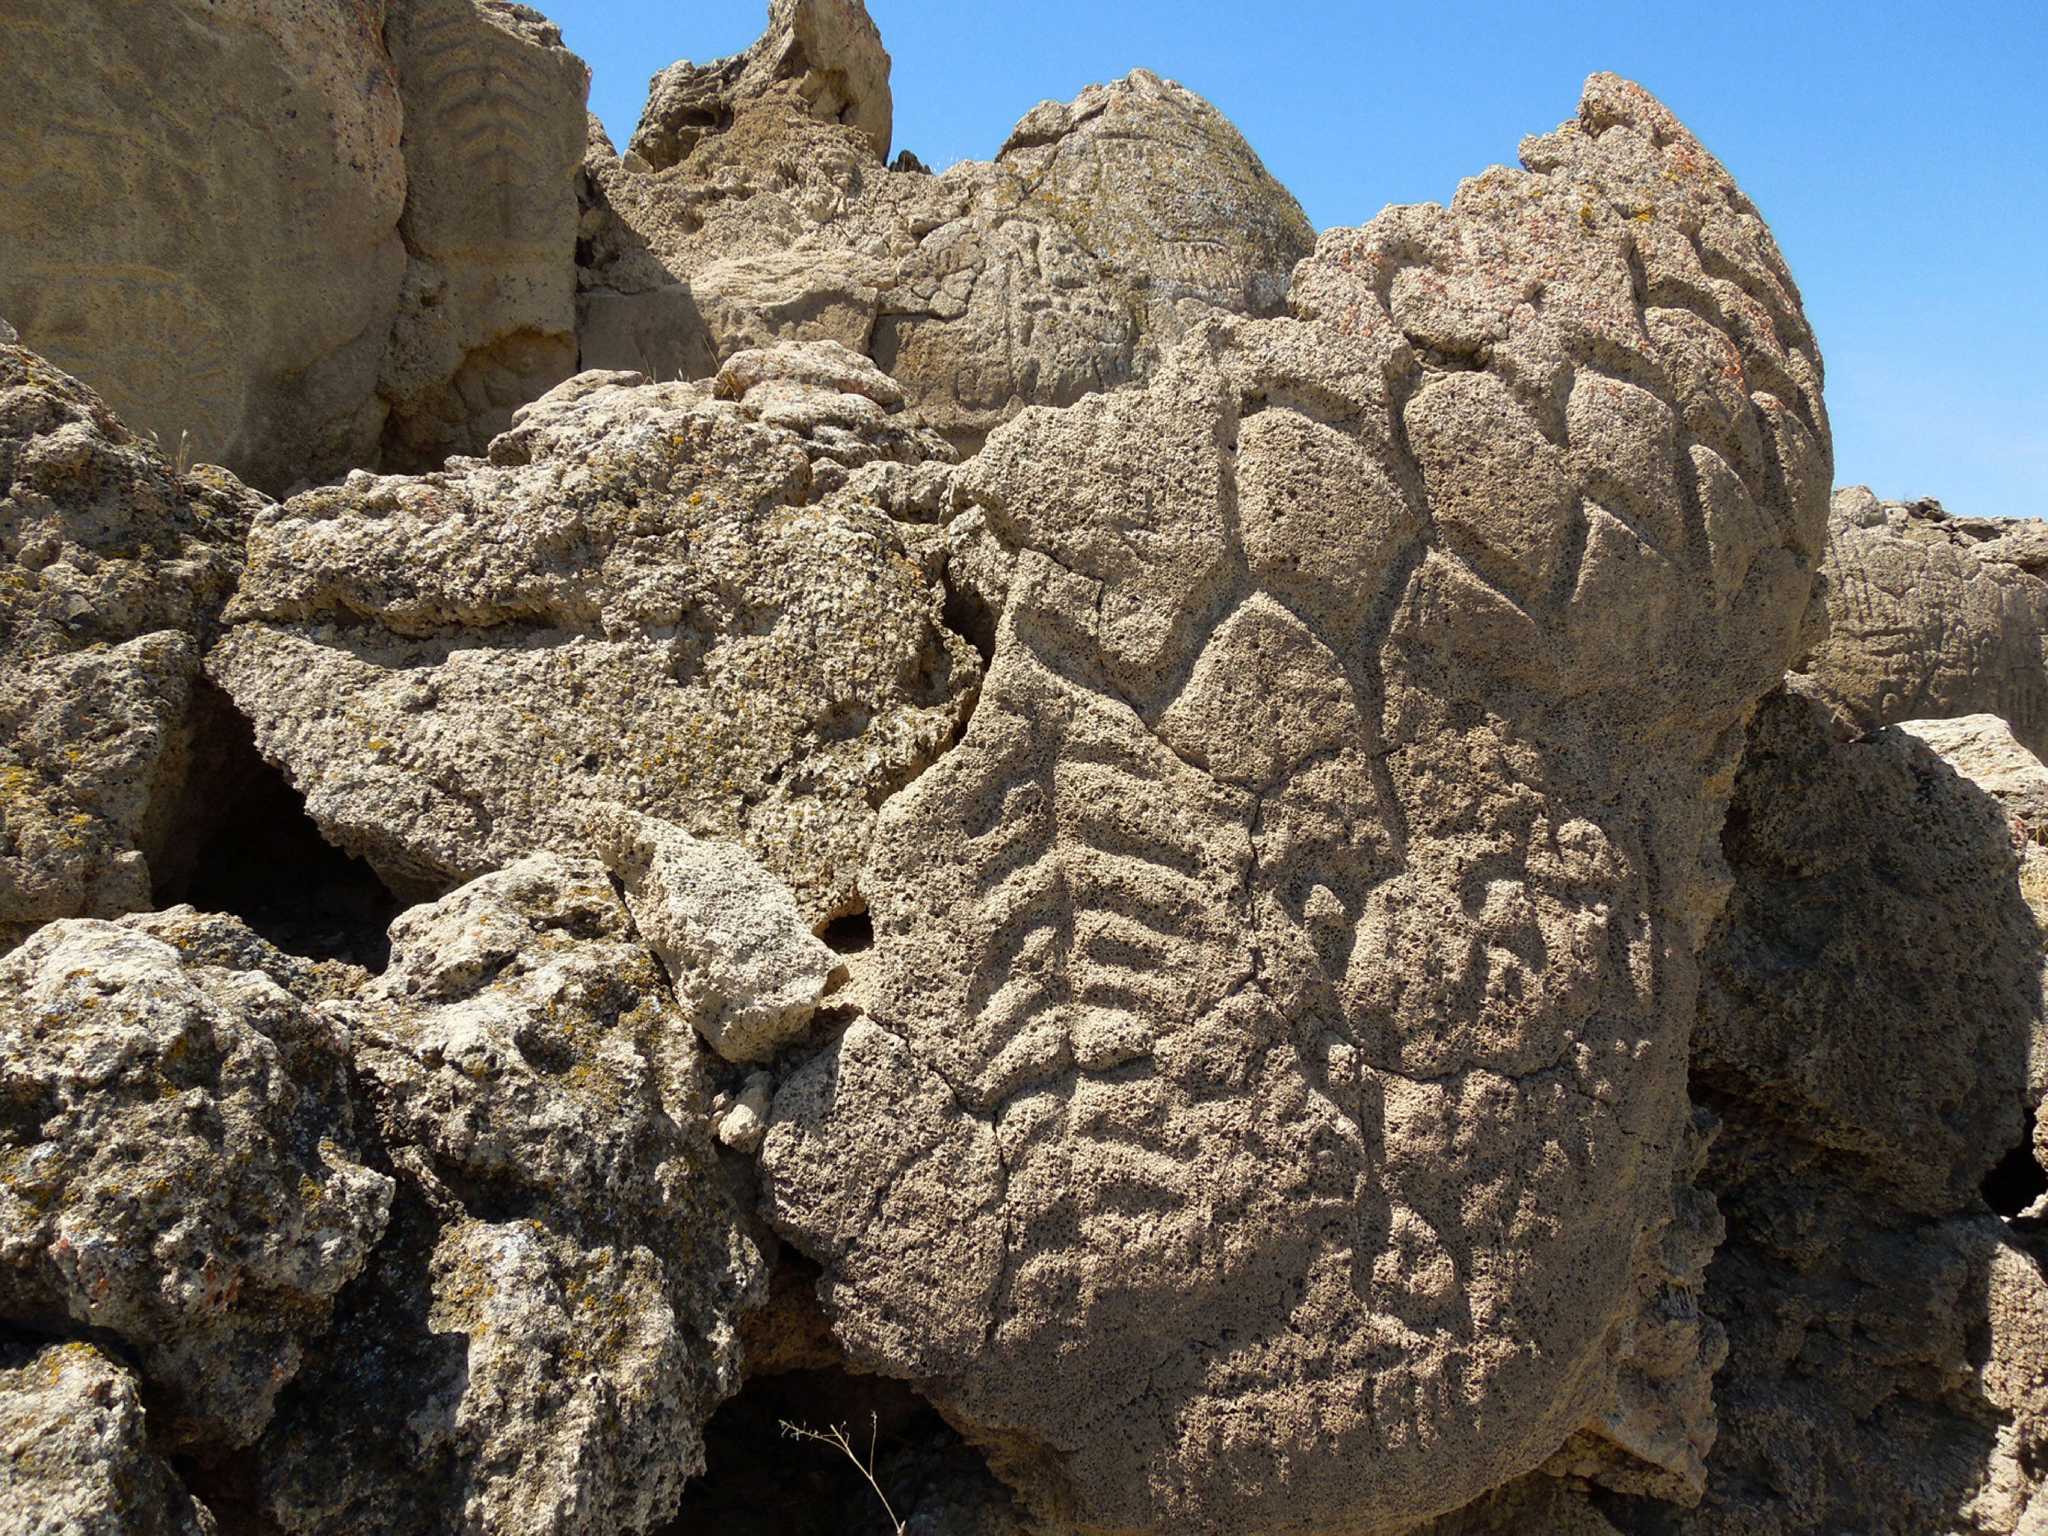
(1271, 1112)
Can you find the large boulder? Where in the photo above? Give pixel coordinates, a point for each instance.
(1932, 615)
(114, 566)
(1870, 1000)
(649, 596)
(1102, 230)
(1270, 1108)
(294, 231)
(536, 1347)
(179, 1169)
(75, 1458)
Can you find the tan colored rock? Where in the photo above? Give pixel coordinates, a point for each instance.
(398, 272)
(178, 1170)
(744, 962)
(537, 1345)
(648, 598)
(494, 133)
(1932, 616)
(74, 1456)
(1869, 1001)
(1273, 1089)
(825, 55)
(1060, 269)
(114, 567)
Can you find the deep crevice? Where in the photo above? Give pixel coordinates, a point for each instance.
(761, 1482)
(2018, 1181)
(250, 850)
(851, 933)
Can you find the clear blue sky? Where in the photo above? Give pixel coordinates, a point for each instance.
(1900, 151)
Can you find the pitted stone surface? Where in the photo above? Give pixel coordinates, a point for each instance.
(398, 271)
(113, 568)
(1932, 615)
(74, 1456)
(1066, 266)
(648, 597)
(178, 1168)
(1869, 1001)
(1272, 1090)
(536, 1347)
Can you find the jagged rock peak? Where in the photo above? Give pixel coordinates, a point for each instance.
(825, 54)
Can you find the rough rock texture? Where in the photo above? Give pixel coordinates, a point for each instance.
(1932, 615)
(1273, 1086)
(494, 129)
(113, 568)
(744, 962)
(1099, 234)
(539, 1343)
(824, 56)
(179, 1169)
(1870, 999)
(74, 1459)
(399, 260)
(647, 597)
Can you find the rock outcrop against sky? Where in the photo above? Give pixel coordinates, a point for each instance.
(1195, 878)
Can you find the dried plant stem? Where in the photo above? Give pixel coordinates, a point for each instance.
(837, 1437)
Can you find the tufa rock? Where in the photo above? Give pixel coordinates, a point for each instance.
(1932, 615)
(744, 963)
(494, 137)
(537, 1345)
(179, 1170)
(823, 57)
(648, 597)
(1065, 267)
(74, 1456)
(399, 271)
(1271, 1110)
(1869, 1002)
(114, 566)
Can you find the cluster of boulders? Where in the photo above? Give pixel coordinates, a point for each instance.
(1276, 885)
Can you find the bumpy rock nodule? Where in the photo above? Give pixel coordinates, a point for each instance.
(1297, 954)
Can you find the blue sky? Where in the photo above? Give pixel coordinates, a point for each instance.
(1900, 151)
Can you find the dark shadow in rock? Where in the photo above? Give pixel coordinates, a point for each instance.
(764, 1481)
(1866, 1002)
(851, 934)
(2018, 1181)
(246, 846)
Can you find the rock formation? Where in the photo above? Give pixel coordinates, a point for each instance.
(1307, 918)
(74, 1451)
(114, 567)
(1174, 863)
(751, 208)
(649, 596)
(1872, 998)
(291, 233)
(1934, 615)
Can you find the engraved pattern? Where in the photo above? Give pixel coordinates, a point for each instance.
(1310, 909)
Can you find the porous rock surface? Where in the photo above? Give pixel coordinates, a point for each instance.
(537, 1345)
(180, 1169)
(74, 1456)
(823, 56)
(114, 566)
(647, 596)
(1272, 1095)
(1066, 266)
(1871, 998)
(398, 262)
(1932, 615)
